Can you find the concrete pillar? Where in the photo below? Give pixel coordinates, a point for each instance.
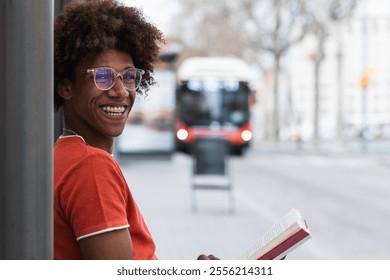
(26, 129)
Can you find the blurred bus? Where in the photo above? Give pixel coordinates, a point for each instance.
(212, 100)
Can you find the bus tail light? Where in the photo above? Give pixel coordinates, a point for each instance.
(246, 135)
(182, 134)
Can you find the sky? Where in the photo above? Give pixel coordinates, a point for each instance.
(375, 7)
(158, 12)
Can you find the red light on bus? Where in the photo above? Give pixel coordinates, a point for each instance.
(246, 135)
(182, 134)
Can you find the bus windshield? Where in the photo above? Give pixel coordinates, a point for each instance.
(208, 102)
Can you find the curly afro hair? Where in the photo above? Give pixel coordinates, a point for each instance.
(86, 28)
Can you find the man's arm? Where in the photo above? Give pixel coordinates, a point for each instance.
(113, 245)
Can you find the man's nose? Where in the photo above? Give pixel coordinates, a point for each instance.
(118, 90)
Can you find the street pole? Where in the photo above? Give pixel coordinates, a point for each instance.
(340, 92)
(26, 125)
(364, 85)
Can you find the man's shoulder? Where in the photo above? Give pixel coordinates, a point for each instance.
(73, 151)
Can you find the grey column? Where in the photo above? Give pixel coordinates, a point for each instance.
(26, 129)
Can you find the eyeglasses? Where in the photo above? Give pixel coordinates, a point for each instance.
(105, 77)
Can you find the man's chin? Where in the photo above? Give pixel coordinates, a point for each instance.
(118, 132)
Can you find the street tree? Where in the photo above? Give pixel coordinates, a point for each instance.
(208, 26)
(324, 15)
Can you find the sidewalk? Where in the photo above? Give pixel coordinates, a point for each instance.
(357, 148)
(181, 234)
(161, 188)
(375, 151)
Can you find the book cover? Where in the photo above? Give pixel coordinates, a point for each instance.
(290, 232)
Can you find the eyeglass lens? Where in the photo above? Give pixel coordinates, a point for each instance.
(105, 78)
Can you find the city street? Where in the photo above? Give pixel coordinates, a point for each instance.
(344, 197)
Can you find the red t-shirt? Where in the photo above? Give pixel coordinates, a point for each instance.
(91, 197)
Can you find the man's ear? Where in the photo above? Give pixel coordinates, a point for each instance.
(65, 89)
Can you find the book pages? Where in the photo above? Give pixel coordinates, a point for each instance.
(286, 228)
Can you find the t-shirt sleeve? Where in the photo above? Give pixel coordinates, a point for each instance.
(94, 199)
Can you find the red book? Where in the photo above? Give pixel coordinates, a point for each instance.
(289, 233)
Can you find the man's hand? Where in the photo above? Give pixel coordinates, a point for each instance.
(209, 257)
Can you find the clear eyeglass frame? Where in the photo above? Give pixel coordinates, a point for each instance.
(109, 77)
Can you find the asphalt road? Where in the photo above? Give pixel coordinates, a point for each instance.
(345, 197)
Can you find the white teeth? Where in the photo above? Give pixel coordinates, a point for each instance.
(114, 110)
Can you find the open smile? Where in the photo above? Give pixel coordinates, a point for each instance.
(114, 111)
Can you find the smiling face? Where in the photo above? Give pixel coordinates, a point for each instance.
(98, 115)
